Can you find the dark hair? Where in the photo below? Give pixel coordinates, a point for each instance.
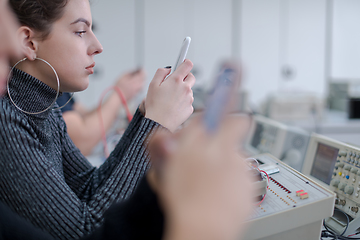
(39, 15)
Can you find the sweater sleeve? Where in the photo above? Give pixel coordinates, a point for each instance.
(13, 227)
(128, 162)
(138, 217)
(71, 203)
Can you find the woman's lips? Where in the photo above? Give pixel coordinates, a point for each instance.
(90, 68)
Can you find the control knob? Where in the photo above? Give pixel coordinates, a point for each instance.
(342, 186)
(342, 153)
(349, 190)
(335, 182)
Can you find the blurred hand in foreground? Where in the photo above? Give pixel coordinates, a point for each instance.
(10, 45)
(202, 181)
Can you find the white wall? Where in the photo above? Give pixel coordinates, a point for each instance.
(211, 30)
(282, 34)
(345, 48)
(149, 34)
(266, 35)
(168, 22)
(114, 26)
(305, 46)
(260, 46)
(164, 33)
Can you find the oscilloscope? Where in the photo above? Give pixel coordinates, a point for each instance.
(336, 165)
(286, 143)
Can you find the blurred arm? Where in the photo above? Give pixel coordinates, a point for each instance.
(84, 126)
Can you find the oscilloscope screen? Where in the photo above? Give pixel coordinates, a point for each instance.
(324, 162)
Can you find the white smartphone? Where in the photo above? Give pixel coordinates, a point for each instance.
(182, 55)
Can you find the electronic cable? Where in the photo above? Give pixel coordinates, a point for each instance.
(256, 167)
(102, 127)
(330, 233)
(354, 234)
(267, 188)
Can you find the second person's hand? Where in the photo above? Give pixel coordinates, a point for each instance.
(131, 83)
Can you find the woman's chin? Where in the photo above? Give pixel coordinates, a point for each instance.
(76, 88)
(82, 88)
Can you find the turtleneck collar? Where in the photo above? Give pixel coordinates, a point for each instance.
(30, 94)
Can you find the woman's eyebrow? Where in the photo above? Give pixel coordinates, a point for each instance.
(81, 20)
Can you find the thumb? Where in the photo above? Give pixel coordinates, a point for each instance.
(160, 75)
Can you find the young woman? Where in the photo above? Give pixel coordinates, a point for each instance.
(43, 176)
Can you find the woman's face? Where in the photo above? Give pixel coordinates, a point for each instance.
(70, 48)
(9, 45)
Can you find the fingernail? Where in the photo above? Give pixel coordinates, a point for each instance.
(168, 67)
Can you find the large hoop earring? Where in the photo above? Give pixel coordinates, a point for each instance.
(57, 91)
(72, 94)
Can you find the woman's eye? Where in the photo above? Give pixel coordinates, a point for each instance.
(80, 33)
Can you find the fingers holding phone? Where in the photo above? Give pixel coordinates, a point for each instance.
(170, 97)
(183, 72)
(169, 102)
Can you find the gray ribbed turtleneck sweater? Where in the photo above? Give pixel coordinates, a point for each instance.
(45, 178)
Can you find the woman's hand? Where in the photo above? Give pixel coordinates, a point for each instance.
(169, 101)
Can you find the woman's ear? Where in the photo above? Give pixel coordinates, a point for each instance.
(28, 42)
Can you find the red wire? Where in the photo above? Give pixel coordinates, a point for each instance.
(102, 127)
(124, 102)
(353, 234)
(266, 187)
